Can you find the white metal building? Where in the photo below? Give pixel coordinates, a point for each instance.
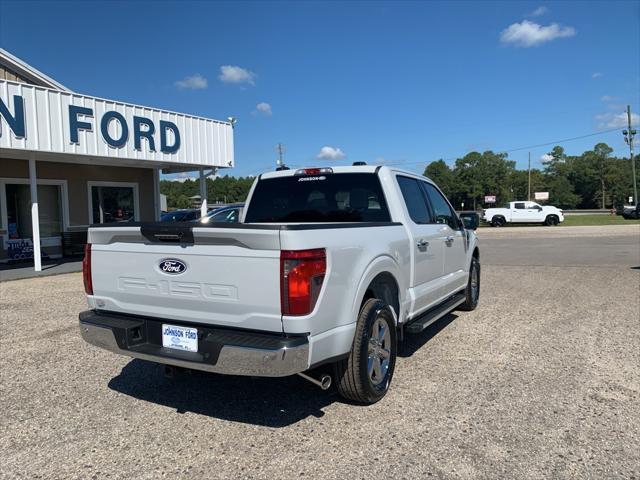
(69, 160)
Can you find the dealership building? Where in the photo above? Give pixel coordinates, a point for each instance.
(69, 160)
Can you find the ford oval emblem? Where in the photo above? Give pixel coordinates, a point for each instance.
(172, 266)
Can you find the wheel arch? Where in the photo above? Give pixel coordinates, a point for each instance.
(382, 279)
(384, 287)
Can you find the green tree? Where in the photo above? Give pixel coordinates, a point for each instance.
(557, 173)
(478, 174)
(182, 201)
(442, 175)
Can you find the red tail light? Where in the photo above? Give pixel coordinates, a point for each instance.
(301, 276)
(86, 270)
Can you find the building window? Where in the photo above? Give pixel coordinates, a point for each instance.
(111, 202)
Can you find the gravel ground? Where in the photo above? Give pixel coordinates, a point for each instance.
(541, 381)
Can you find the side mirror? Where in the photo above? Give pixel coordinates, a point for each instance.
(470, 220)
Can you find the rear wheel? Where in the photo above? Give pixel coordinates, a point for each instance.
(498, 221)
(472, 292)
(366, 374)
(552, 221)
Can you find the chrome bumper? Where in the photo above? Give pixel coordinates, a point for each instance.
(231, 360)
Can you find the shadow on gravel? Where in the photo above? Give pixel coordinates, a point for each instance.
(269, 402)
(413, 343)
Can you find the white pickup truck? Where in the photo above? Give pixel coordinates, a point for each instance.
(327, 271)
(523, 212)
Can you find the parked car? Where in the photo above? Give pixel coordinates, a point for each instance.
(226, 214)
(523, 212)
(631, 213)
(329, 270)
(186, 215)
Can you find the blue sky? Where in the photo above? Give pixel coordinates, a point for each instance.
(399, 82)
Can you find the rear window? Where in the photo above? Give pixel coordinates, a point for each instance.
(342, 197)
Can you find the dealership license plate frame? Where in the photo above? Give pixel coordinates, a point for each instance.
(183, 339)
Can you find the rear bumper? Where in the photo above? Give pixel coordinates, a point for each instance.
(226, 351)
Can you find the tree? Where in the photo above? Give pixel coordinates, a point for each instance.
(442, 175)
(221, 189)
(557, 171)
(182, 201)
(478, 174)
(602, 152)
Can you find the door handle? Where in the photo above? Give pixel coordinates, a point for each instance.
(422, 243)
(448, 241)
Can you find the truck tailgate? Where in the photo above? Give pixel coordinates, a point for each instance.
(230, 276)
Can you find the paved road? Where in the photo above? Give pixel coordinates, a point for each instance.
(541, 381)
(608, 246)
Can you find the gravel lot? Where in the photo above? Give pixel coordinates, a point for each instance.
(541, 381)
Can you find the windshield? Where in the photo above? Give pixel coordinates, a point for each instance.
(172, 216)
(344, 197)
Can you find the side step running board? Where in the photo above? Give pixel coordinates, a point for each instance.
(427, 318)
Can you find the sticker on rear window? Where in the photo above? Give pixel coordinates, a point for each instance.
(311, 179)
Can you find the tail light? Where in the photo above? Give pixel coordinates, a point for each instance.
(86, 270)
(301, 276)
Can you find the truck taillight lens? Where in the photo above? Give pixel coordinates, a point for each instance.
(301, 276)
(86, 270)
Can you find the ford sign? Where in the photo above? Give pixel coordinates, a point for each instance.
(172, 266)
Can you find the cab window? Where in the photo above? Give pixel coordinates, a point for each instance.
(414, 199)
(442, 211)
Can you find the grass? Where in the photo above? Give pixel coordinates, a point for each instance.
(581, 220)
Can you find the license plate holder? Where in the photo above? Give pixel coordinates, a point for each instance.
(180, 338)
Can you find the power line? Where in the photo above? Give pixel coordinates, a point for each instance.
(561, 141)
(511, 150)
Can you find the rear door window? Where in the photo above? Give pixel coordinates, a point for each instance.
(335, 198)
(414, 199)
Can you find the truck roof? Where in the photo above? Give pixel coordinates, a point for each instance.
(340, 169)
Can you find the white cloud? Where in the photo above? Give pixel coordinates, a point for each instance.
(193, 82)
(529, 34)
(330, 153)
(236, 75)
(538, 12)
(596, 75)
(616, 120)
(608, 98)
(546, 158)
(263, 108)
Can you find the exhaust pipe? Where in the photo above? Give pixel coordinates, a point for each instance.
(324, 383)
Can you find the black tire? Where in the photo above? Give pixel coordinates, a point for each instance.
(353, 379)
(551, 221)
(498, 222)
(472, 292)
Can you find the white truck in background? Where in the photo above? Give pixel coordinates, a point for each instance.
(523, 212)
(328, 269)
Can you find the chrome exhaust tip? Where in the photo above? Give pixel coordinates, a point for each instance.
(324, 383)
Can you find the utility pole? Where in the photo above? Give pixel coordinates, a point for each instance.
(280, 161)
(529, 188)
(628, 137)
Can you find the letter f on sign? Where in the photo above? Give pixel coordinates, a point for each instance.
(75, 124)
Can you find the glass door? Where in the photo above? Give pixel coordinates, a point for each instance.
(19, 243)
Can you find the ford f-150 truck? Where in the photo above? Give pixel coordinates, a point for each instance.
(328, 269)
(523, 212)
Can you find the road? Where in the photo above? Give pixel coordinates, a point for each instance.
(541, 381)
